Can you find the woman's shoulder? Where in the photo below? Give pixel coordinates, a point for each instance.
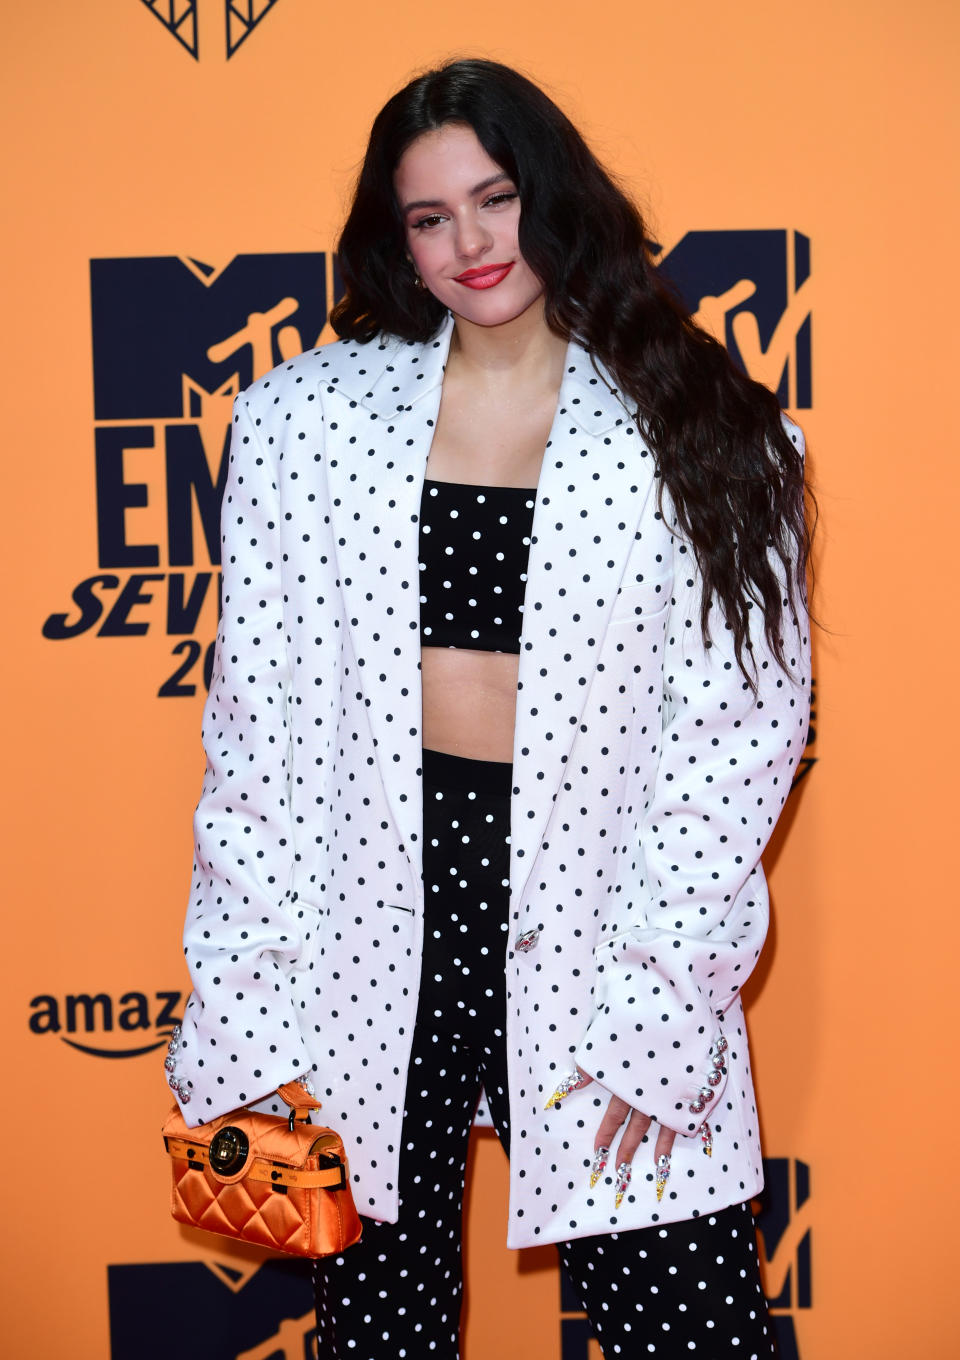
(351, 366)
(329, 363)
(793, 431)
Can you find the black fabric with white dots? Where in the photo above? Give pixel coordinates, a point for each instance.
(474, 542)
(690, 1289)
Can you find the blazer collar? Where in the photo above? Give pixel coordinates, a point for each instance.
(388, 377)
(588, 394)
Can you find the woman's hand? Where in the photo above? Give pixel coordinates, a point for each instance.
(635, 1124)
(619, 1114)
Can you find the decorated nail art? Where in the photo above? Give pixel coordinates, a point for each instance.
(624, 1174)
(571, 1082)
(706, 1138)
(663, 1174)
(598, 1165)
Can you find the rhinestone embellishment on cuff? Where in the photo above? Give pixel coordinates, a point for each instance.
(718, 1070)
(178, 1085)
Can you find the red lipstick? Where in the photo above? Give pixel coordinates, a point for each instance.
(485, 276)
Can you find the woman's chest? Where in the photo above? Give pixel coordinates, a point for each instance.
(492, 439)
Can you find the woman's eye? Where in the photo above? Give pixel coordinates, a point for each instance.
(495, 200)
(430, 221)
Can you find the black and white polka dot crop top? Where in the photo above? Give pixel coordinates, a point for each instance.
(474, 546)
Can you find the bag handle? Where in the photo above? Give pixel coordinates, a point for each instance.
(300, 1101)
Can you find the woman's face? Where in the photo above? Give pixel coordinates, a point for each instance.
(461, 214)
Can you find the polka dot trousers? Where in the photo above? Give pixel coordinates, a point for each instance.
(681, 1290)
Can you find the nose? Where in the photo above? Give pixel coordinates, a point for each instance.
(473, 239)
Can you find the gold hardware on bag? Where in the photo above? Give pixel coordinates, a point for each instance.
(228, 1150)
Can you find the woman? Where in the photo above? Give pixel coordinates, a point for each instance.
(510, 685)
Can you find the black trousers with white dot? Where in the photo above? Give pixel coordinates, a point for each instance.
(681, 1290)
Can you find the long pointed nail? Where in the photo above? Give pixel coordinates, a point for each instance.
(598, 1165)
(571, 1082)
(663, 1174)
(624, 1173)
(706, 1138)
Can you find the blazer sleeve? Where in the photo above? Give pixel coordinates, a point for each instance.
(726, 764)
(239, 1037)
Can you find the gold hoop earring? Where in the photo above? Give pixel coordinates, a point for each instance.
(417, 280)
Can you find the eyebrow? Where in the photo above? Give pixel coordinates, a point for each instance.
(474, 192)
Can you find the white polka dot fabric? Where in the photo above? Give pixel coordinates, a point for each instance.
(647, 779)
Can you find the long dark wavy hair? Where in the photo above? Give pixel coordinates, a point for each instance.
(733, 474)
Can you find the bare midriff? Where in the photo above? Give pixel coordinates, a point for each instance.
(469, 702)
(499, 400)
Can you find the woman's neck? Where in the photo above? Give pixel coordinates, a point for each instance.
(523, 352)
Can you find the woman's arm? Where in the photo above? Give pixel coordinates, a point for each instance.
(726, 764)
(240, 1039)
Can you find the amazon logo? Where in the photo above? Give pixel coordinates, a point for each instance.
(107, 1027)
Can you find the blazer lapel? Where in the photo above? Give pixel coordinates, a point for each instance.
(398, 392)
(590, 496)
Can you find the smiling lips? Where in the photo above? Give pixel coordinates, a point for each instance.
(486, 276)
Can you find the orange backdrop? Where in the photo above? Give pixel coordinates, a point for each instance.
(795, 161)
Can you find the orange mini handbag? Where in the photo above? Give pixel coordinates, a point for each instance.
(275, 1182)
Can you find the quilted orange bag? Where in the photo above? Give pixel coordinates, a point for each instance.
(276, 1182)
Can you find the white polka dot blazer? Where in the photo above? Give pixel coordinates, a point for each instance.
(647, 779)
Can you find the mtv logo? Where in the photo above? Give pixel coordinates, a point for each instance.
(193, 1309)
(783, 1238)
(168, 331)
(784, 1232)
(750, 289)
(181, 19)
